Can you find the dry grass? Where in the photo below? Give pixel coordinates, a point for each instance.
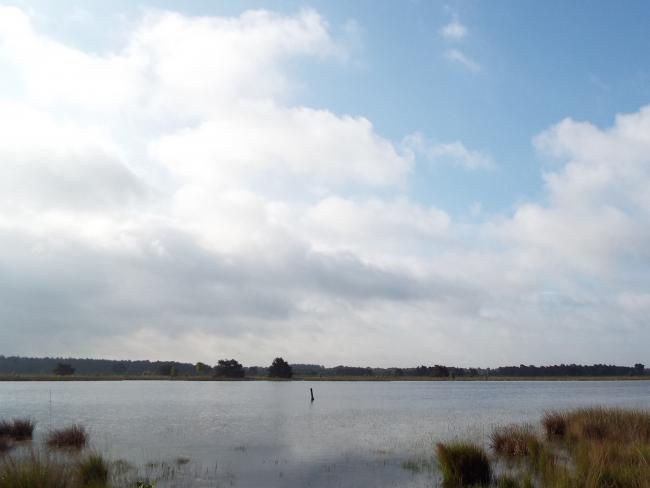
(586, 448)
(554, 424)
(514, 441)
(73, 437)
(17, 429)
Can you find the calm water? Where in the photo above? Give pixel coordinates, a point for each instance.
(268, 434)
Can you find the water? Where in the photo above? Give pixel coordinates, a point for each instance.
(269, 434)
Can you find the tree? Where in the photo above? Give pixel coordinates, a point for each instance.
(639, 369)
(202, 368)
(119, 367)
(165, 369)
(229, 368)
(63, 369)
(280, 369)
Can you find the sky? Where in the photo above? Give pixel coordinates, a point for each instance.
(364, 183)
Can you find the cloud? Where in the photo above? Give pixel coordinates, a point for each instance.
(454, 153)
(457, 56)
(453, 31)
(148, 213)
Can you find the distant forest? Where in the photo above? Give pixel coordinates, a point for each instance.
(14, 365)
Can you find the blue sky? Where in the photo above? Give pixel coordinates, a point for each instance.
(465, 177)
(539, 63)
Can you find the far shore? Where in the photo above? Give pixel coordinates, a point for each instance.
(6, 377)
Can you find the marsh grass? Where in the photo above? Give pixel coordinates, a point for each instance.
(17, 429)
(36, 470)
(5, 444)
(463, 464)
(514, 441)
(587, 448)
(93, 471)
(73, 437)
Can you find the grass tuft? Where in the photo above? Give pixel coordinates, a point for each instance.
(35, 471)
(463, 464)
(554, 424)
(514, 441)
(73, 437)
(93, 472)
(17, 429)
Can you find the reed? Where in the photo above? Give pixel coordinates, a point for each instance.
(73, 437)
(463, 464)
(17, 429)
(514, 441)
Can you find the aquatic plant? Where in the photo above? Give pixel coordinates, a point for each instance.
(587, 448)
(73, 437)
(35, 470)
(513, 441)
(463, 464)
(554, 424)
(93, 471)
(17, 429)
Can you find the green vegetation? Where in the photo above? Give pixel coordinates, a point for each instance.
(63, 369)
(36, 470)
(73, 437)
(93, 471)
(24, 368)
(463, 464)
(582, 448)
(280, 369)
(229, 368)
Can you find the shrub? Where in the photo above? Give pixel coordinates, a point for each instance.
(74, 437)
(463, 464)
(17, 429)
(93, 471)
(513, 441)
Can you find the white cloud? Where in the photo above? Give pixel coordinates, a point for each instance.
(145, 212)
(457, 56)
(454, 31)
(454, 153)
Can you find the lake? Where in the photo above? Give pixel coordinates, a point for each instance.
(269, 434)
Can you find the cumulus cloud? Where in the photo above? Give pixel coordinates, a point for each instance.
(147, 212)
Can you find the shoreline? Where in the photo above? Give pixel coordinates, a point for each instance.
(29, 378)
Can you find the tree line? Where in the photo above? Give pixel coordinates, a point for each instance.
(279, 368)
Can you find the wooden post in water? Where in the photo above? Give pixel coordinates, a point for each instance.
(311, 390)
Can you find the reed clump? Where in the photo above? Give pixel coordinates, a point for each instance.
(41, 470)
(463, 464)
(35, 470)
(514, 441)
(93, 471)
(17, 429)
(73, 437)
(584, 448)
